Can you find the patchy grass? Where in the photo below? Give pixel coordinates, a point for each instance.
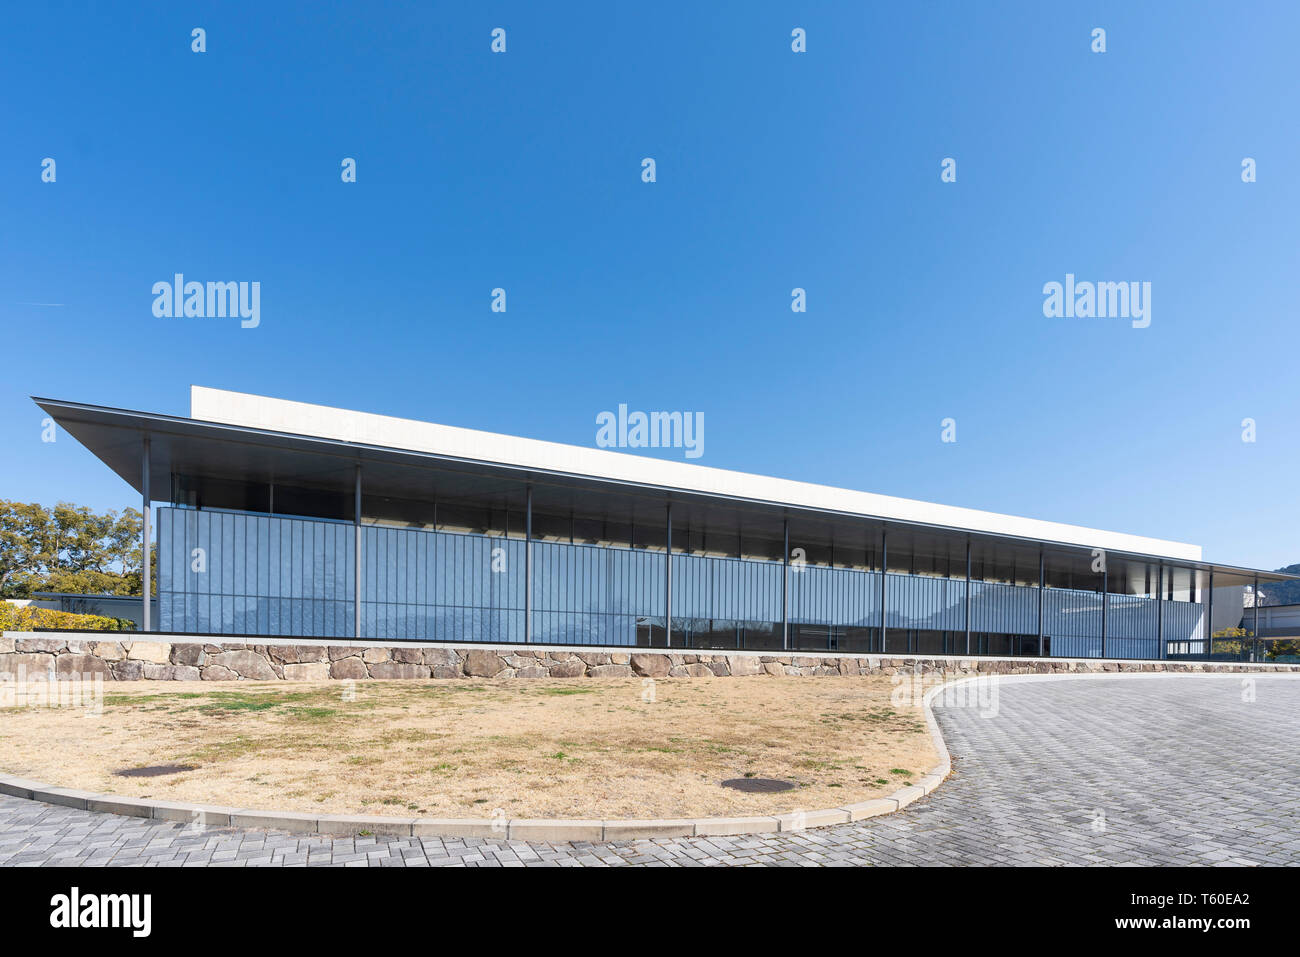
(541, 748)
(568, 690)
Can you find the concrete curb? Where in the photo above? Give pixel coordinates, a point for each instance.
(519, 829)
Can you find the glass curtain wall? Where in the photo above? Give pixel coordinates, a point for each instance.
(925, 593)
(727, 587)
(230, 573)
(457, 572)
(835, 587)
(1004, 597)
(1132, 609)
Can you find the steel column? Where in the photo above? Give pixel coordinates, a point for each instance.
(528, 565)
(1160, 611)
(1209, 617)
(1255, 642)
(668, 581)
(1105, 605)
(356, 572)
(968, 594)
(1042, 583)
(884, 570)
(785, 592)
(146, 540)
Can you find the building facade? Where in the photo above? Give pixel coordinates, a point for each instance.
(281, 518)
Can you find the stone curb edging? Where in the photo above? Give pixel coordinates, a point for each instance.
(521, 829)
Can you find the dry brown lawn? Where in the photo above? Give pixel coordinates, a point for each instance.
(533, 748)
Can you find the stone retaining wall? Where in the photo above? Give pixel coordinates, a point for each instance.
(173, 658)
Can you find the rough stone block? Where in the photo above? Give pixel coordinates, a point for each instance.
(171, 672)
(482, 663)
(82, 666)
(652, 666)
(350, 669)
(188, 655)
(155, 652)
(307, 671)
(48, 645)
(246, 664)
(609, 671)
(127, 670)
(572, 668)
(441, 656)
(28, 664)
(297, 654)
(390, 670)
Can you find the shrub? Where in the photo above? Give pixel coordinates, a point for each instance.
(30, 618)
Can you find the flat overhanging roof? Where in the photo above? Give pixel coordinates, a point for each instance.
(252, 439)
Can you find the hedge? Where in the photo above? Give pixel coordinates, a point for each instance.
(30, 618)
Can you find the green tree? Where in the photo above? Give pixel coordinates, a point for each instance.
(68, 548)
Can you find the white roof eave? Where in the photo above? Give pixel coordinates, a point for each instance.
(301, 418)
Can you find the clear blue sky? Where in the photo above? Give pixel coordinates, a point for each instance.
(775, 170)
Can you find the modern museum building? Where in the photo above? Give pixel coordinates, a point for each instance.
(280, 518)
